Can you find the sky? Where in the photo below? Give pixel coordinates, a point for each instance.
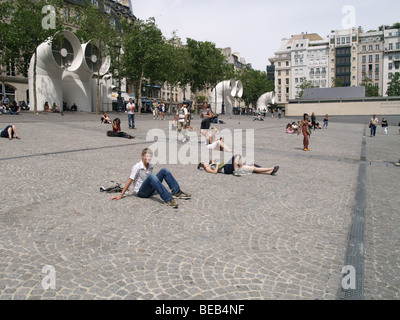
(255, 28)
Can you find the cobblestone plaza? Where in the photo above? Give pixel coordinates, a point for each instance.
(248, 237)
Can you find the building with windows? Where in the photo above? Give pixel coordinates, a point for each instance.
(370, 58)
(343, 54)
(303, 56)
(391, 55)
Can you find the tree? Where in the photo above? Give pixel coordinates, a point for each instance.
(24, 25)
(143, 53)
(370, 89)
(337, 83)
(305, 84)
(176, 63)
(394, 86)
(94, 25)
(207, 67)
(255, 84)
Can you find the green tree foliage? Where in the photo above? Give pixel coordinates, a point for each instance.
(303, 86)
(394, 86)
(23, 27)
(370, 89)
(255, 84)
(143, 57)
(207, 65)
(336, 83)
(94, 26)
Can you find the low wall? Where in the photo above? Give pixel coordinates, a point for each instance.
(378, 106)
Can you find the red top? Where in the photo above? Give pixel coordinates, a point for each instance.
(117, 129)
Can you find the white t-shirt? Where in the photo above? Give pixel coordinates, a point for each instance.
(182, 114)
(129, 106)
(139, 174)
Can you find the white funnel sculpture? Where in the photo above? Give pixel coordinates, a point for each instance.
(77, 85)
(53, 57)
(265, 100)
(224, 93)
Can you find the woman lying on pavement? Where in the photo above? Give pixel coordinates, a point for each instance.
(235, 167)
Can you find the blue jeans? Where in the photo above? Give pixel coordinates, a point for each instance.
(373, 130)
(153, 183)
(131, 120)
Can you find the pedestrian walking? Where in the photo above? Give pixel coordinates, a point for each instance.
(154, 108)
(313, 120)
(384, 124)
(305, 128)
(130, 107)
(161, 110)
(183, 115)
(373, 122)
(326, 119)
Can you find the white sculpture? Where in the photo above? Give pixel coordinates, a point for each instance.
(225, 93)
(53, 58)
(77, 86)
(64, 72)
(265, 100)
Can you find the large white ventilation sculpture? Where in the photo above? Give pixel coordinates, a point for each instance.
(225, 93)
(64, 72)
(77, 85)
(54, 56)
(265, 100)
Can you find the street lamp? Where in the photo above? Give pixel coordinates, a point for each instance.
(223, 98)
(119, 98)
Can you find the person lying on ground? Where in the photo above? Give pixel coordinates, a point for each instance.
(235, 167)
(9, 132)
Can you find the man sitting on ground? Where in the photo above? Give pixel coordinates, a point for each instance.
(146, 183)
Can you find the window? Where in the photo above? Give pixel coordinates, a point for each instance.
(364, 48)
(377, 57)
(279, 72)
(370, 58)
(287, 90)
(364, 68)
(364, 59)
(390, 46)
(377, 47)
(390, 57)
(390, 66)
(287, 63)
(397, 45)
(287, 81)
(279, 64)
(287, 72)
(377, 68)
(376, 76)
(11, 70)
(279, 82)
(370, 47)
(337, 40)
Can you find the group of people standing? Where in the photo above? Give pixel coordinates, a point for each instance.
(374, 122)
(158, 109)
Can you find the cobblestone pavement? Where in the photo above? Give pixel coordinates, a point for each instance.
(249, 237)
